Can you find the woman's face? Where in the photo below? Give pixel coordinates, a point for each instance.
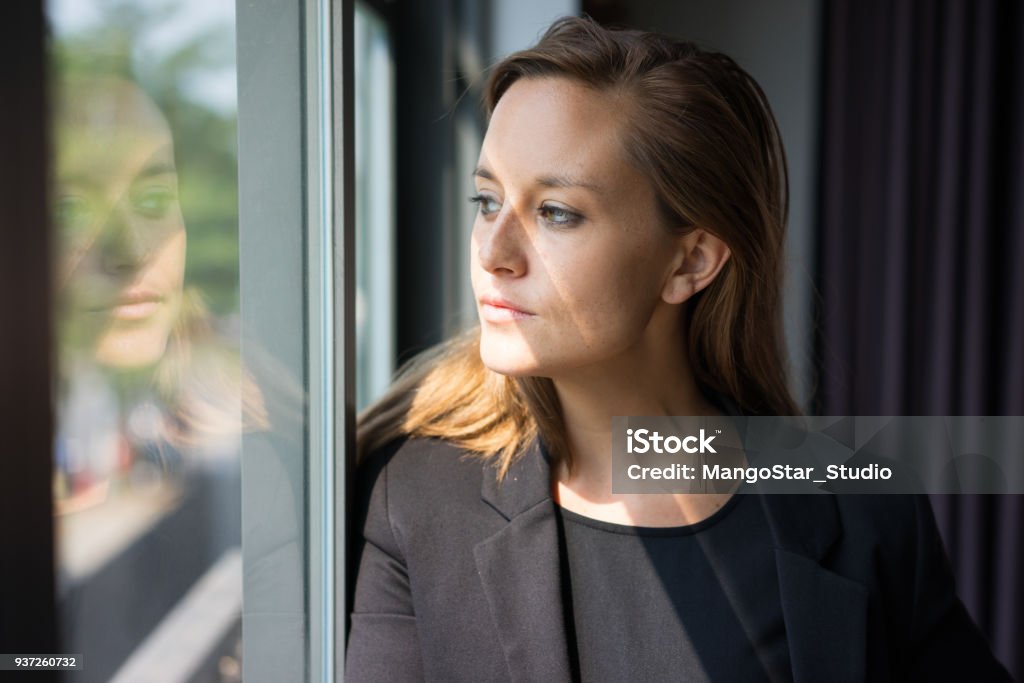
(570, 257)
(122, 232)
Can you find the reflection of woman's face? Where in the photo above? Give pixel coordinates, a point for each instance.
(122, 235)
(568, 233)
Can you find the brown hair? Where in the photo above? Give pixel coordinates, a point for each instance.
(701, 130)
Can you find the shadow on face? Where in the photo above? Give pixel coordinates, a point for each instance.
(570, 255)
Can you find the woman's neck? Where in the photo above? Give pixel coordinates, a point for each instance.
(640, 384)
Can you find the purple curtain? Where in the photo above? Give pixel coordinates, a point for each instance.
(921, 252)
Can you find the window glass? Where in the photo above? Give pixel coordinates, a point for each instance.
(375, 335)
(151, 395)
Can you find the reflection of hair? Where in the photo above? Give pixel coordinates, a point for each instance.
(212, 395)
(701, 130)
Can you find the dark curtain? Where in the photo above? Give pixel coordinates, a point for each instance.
(921, 262)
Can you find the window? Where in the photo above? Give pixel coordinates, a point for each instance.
(223, 258)
(152, 397)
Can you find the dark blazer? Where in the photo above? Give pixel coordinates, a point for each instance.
(458, 579)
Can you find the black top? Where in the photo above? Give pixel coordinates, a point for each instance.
(457, 578)
(687, 603)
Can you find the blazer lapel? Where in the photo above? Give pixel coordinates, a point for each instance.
(519, 567)
(825, 613)
(521, 574)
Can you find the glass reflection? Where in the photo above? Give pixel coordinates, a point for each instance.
(131, 332)
(121, 282)
(152, 396)
(124, 235)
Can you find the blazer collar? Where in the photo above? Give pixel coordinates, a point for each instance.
(520, 569)
(825, 613)
(527, 482)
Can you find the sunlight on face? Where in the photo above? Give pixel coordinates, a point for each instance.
(569, 254)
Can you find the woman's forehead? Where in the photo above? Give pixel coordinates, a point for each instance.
(556, 129)
(101, 160)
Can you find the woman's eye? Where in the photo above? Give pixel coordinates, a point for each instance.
(73, 213)
(153, 202)
(487, 205)
(556, 215)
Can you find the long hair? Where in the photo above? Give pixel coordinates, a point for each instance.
(702, 132)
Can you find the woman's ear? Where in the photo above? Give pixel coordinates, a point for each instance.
(701, 257)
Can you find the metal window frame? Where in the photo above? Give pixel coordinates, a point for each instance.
(296, 235)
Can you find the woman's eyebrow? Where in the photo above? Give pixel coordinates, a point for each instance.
(481, 172)
(545, 180)
(157, 168)
(566, 181)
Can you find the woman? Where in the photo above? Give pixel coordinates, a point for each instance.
(626, 260)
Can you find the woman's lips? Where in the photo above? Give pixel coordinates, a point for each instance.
(498, 310)
(133, 306)
(135, 311)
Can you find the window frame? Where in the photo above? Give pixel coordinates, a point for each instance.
(296, 164)
(28, 620)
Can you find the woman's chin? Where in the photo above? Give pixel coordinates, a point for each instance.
(509, 359)
(511, 369)
(132, 348)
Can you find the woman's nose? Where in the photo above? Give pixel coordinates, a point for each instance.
(500, 244)
(122, 245)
